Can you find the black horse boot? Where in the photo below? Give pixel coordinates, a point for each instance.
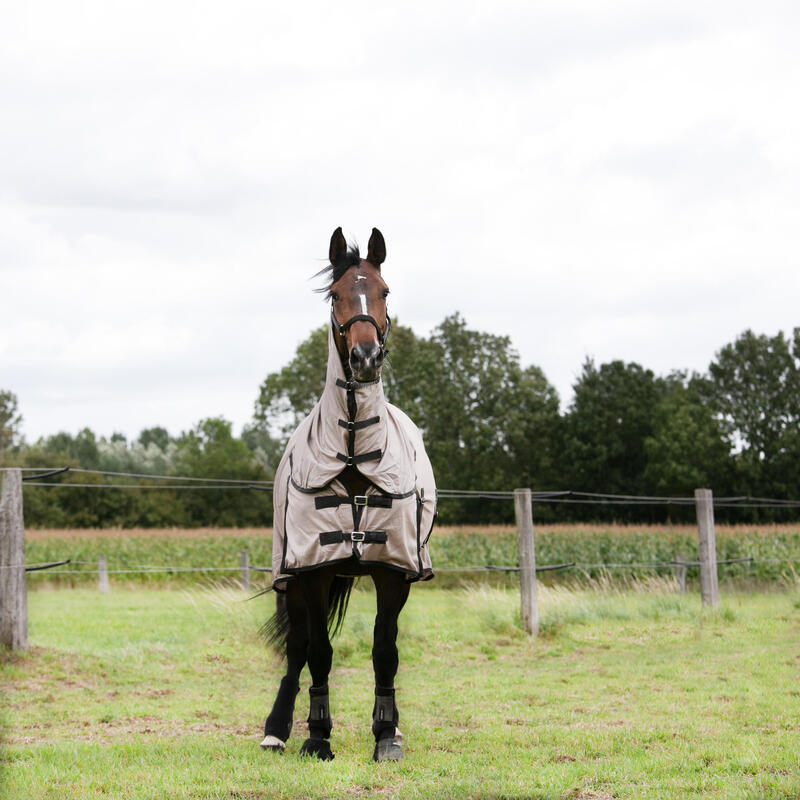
(319, 726)
(384, 726)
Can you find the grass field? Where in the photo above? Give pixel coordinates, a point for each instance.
(627, 694)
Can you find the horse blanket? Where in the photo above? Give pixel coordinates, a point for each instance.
(316, 522)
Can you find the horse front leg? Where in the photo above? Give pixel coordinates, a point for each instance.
(392, 593)
(291, 611)
(316, 587)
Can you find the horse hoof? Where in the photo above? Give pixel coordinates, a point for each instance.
(319, 748)
(274, 744)
(388, 750)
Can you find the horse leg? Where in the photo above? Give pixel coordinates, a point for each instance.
(278, 726)
(392, 590)
(316, 587)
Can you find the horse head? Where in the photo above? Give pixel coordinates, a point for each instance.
(358, 305)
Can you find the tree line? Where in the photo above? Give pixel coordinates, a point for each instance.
(489, 423)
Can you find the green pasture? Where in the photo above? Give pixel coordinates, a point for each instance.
(628, 693)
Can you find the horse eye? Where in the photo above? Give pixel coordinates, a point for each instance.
(385, 293)
(334, 297)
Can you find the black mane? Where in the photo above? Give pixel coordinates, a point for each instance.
(352, 258)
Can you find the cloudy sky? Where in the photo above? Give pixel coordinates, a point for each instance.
(615, 180)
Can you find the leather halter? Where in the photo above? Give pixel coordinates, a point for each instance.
(344, 327)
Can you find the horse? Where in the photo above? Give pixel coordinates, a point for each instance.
(354, 495)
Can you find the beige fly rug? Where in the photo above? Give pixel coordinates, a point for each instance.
(316, 522)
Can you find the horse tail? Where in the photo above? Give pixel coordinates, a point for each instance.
(338, 598)
(275, 631)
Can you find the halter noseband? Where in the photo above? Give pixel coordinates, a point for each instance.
(343, 328)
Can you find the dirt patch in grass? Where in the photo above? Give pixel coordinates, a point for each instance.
(48, 670)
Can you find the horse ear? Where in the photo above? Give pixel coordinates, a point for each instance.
(376, 249)
(338, 246)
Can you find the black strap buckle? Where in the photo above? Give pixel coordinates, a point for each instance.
(357, 536)
(360, 500)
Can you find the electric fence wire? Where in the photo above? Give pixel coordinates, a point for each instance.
(558, 496)
(147, 569)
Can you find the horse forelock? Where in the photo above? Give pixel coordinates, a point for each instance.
(334, 272)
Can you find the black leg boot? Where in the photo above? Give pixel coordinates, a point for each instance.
(384, 726)
(319, 726)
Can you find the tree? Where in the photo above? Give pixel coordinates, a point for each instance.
(606, 426)
(81, 448)
(211, 450)
(158, 436)
(687, 448)
(481, 412)
(10, 421)
(265, 449)
(755, 390)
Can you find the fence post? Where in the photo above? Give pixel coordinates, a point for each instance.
(244, 560)
(709, 583)
(523, 509)
(680, 572)
(102, 575)
(13, 591)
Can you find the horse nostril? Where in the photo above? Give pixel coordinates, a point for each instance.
(357, 356)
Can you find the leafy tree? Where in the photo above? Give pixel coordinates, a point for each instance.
(266, 450)
(211, 450)
(755, 389)
(10, 421)
(606, 426)
(81, 448)
(484, 418)
(156, 436)
(687, 448)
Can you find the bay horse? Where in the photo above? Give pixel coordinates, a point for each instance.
(354, 495)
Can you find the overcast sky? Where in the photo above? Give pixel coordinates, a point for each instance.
(618, 180)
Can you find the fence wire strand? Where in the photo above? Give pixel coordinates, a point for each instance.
(565, 496)
(148, 569)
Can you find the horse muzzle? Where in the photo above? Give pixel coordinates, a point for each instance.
(366, 361)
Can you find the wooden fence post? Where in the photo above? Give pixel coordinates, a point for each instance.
(523, 509)
(13, 591)
(680, 572)
(709, 582)
(102, 575)
(244, 560)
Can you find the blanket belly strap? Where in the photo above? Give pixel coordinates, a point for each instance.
(357, 426)
(374, 455)
(367, 537)
(335, 500)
